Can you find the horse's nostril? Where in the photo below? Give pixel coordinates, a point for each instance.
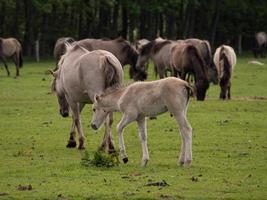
(94, 126)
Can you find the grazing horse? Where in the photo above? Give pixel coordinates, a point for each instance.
(225, 60)
(261, 44)
(159, 51)
(185, 58)
(138, 44)
(204, 48)
(60, 47)
(11, 48)
(122, 49)
(81, 75)
(147, 99)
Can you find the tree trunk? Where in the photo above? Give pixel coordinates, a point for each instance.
(124, 22)
(240, 44)
(2, 18)
(214, 25)
(28, 37)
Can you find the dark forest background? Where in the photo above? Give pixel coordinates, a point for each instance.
(220, 21)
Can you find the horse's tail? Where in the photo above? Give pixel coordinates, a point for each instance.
(20, 59)
(113, 71)
(191, 91)
(226, 68)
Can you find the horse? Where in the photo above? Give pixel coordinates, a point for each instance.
(60, 47)
(204, 48)
(147, 99)
(185, 58)
(261, 44)
(11, 48)
(225, 60)
(122, 49)
(81, 75)
(138, 44)
(159, 51)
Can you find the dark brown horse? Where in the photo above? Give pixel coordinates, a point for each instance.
(185, 58)
(11, 48)
(204, 49)
(122, 49)
(60, 47)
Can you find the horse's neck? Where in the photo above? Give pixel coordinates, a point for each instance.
(110, 101)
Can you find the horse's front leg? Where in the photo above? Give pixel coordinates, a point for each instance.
(3, 60)
(107, 142)
(76, 107)
(126, 119)
(143, 138)
(71, 141)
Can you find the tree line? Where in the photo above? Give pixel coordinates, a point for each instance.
(232, 22)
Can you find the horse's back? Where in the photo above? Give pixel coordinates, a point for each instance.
(229, 53)
(10, 46)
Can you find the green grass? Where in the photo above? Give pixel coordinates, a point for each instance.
(229, 145)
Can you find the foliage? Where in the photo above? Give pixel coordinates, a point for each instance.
(99, 159)
(48, 20)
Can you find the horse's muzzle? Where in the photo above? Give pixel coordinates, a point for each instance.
(94, 126)
(64, 114)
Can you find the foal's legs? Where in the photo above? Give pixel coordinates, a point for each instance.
(126, 119)
(107, 143)
(179, 113)
(71, 141)
(76, 107)
(141, 121)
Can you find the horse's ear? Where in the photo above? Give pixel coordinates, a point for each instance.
(97, 98)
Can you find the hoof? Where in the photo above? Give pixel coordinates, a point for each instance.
(112, 151)
(81, 147)
(125, 160)
(144, 163)
(71, 144)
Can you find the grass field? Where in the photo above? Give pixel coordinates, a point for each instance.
(229, 145)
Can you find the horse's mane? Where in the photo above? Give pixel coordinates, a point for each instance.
(191, 47)
(146, 49)
(157, 47)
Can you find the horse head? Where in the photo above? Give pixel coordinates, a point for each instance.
(57, 88)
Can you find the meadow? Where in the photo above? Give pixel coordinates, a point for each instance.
(229, 145)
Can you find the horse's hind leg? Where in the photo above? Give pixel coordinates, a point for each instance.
(179, 114)
(143, 138)
(16, 61)
(107, 143)
(229, 90)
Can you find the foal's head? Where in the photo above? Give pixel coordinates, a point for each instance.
(99, 113)
(56, 87)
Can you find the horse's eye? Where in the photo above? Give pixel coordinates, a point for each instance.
(93, 109)
(104, 110)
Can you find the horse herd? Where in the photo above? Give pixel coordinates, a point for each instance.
(90, 71)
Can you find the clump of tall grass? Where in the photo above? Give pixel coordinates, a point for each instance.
(99, 159)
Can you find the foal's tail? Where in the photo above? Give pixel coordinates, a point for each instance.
(20, 59)
(191, 91)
